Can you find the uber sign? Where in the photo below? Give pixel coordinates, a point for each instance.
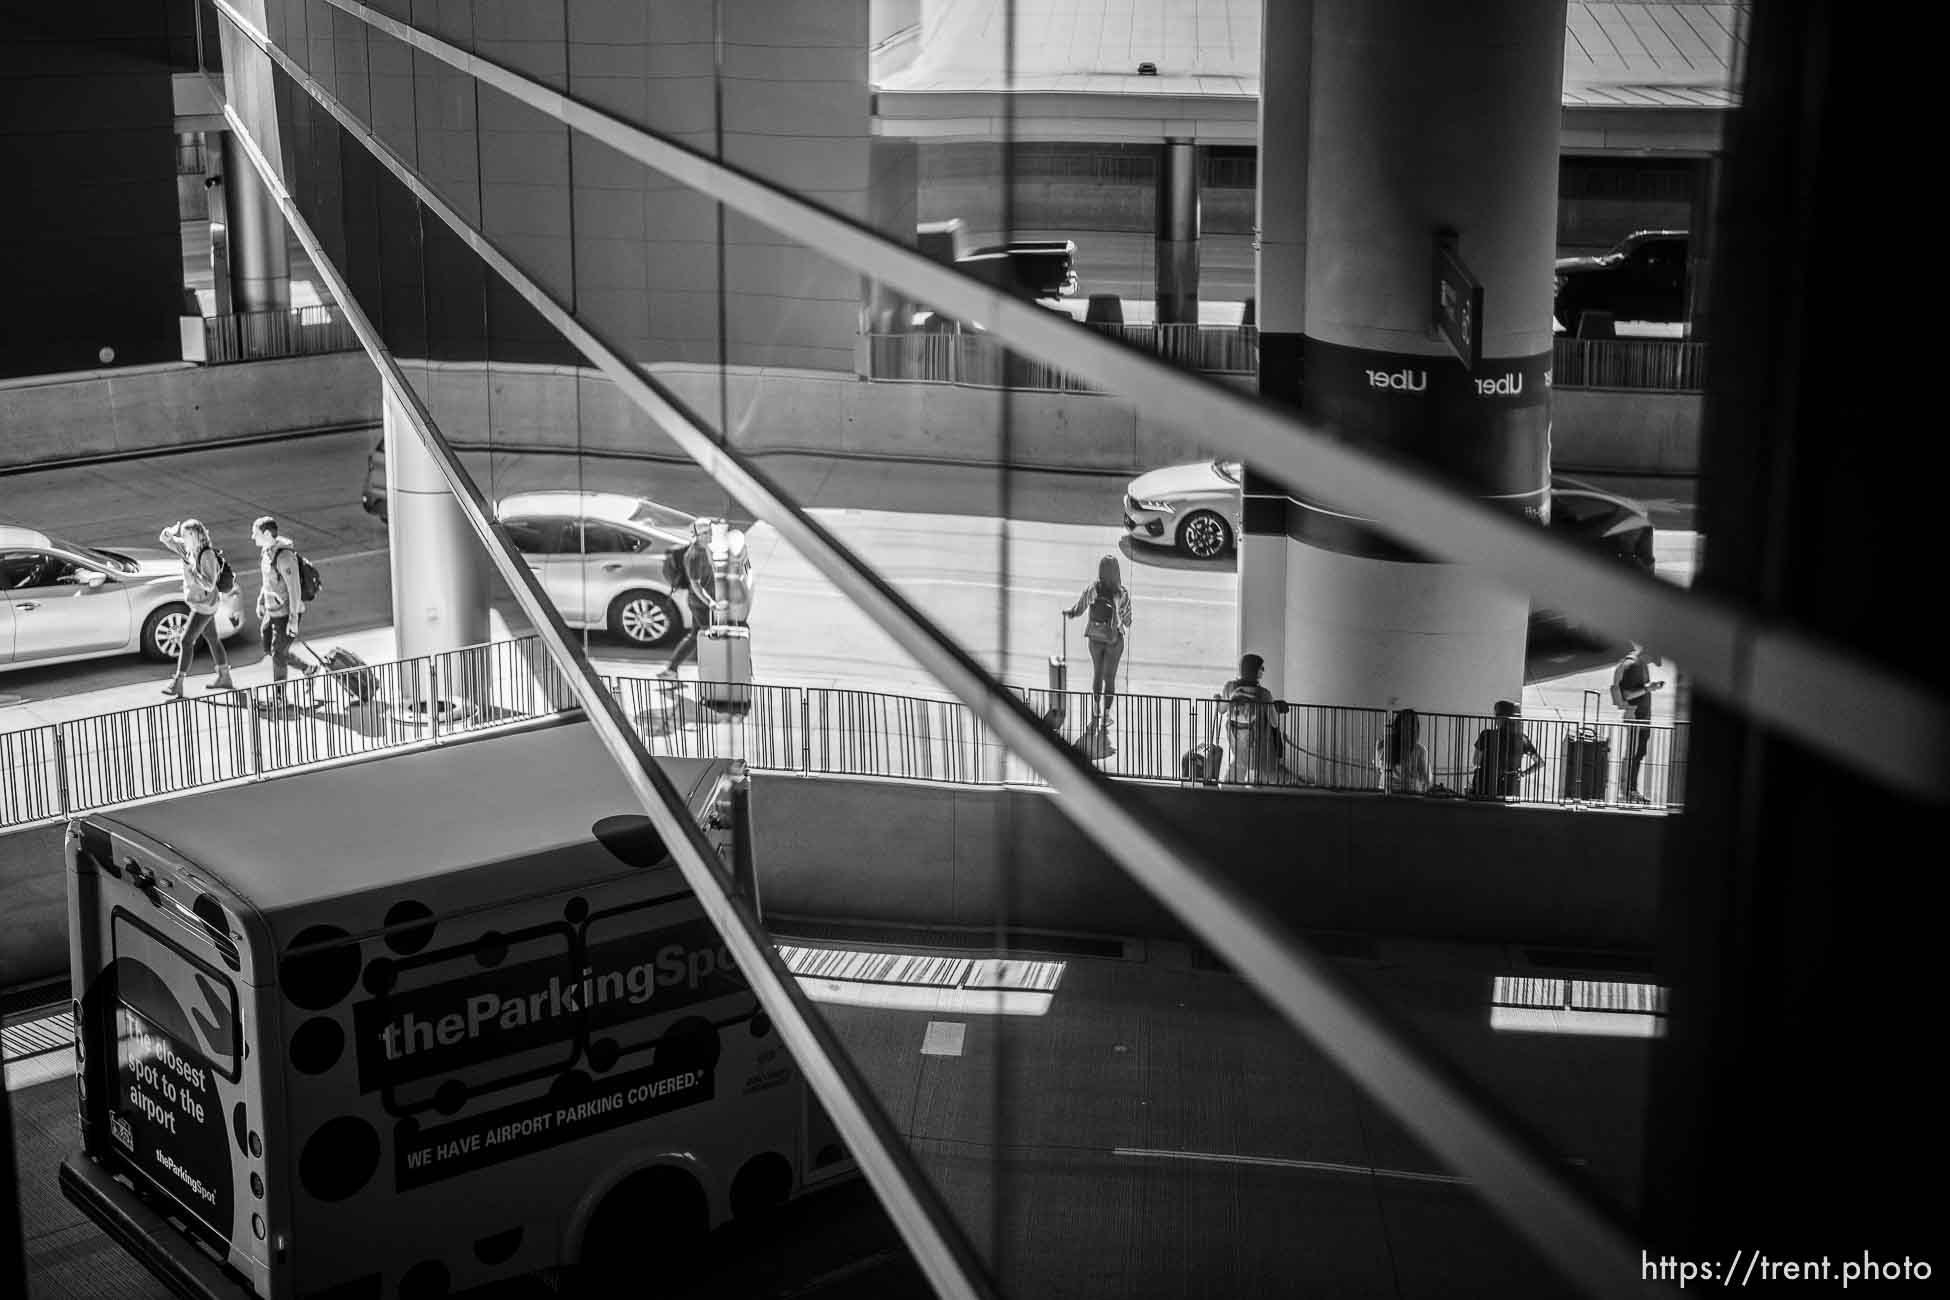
(1458, 303)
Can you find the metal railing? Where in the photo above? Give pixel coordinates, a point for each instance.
(1653, 365)
(264, 335)
(980, 361)
(49, 772)
(1558, 761)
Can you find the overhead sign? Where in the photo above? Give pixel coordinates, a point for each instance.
(1458, 303)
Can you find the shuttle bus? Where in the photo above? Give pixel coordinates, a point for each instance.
(421, 1024)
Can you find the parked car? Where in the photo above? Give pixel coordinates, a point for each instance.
(373, 498)
(1028, 268)
(599, 556)
(1197, 509)
(61, 600)
(1641, 278)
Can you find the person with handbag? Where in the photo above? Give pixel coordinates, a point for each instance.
(1109, 604)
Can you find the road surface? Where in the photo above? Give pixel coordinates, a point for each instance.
(931, 529)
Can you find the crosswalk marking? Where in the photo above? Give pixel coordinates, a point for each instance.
(26, 1038)
(922, 970)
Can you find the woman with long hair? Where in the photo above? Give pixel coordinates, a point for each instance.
(1109, 604)
(202, 575)
(1400, 755)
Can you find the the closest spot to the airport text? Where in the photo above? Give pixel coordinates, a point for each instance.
(1757, 1267)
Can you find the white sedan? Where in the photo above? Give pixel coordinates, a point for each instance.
(600, 558)
(60, 601)
(1195, 508)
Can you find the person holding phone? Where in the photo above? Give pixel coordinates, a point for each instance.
(1632, 685)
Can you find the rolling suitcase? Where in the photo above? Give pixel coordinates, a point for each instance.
(1059, 684)
(724, 668)
(1587, 757)
(359, 682)
(1201, 764)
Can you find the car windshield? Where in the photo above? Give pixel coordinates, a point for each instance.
(655, 516)
(1227, 470)
(106, 559)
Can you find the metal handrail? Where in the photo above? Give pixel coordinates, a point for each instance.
(51, 771)
(266, 335)
(1646, 365)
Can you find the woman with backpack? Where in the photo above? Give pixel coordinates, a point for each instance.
(1253, 742)
(1401, 756)
(203, 579)
(1109, 604)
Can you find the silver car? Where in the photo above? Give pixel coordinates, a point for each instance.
(599, 556)
(60, 600)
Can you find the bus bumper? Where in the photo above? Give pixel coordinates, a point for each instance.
(147, 1236)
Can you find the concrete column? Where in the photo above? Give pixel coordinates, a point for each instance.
(1279, 302)
(1418, 116)
(213, 165)
(1699, 249)
(893, 209)
(440, 572)
(260, 263)
(1176, 242)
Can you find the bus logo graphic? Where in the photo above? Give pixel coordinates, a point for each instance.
(124, 1131)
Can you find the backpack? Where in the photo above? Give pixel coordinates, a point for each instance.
(310, 580)
(1244, 708)
(675, 576)
(1102, 621)
(226, 576)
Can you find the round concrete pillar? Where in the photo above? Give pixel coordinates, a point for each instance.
(254, 237)
(1176, 242)
(440, 572)
(1409, 116)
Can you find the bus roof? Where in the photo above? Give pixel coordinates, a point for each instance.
(294, 841)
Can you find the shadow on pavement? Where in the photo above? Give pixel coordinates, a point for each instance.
(1157, 557)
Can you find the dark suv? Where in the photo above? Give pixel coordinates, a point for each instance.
(1642, 278)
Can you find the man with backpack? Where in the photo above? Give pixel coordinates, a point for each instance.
(206, 578)
(288, 582)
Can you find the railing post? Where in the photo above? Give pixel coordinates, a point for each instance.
(433, 697)
(61, 769)
(805, 731)
(257, 735)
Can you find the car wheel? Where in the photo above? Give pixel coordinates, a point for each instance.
(1204, 535)
(644, 618)
(162, 632)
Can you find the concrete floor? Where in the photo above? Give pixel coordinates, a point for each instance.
(1156, 1133)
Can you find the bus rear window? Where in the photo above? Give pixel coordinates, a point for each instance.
(174, 1021)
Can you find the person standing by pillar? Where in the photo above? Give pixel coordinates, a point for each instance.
(1109, 603)
(1631, 690)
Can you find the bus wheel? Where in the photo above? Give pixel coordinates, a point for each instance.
(654, 1220)
(760, 1187)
